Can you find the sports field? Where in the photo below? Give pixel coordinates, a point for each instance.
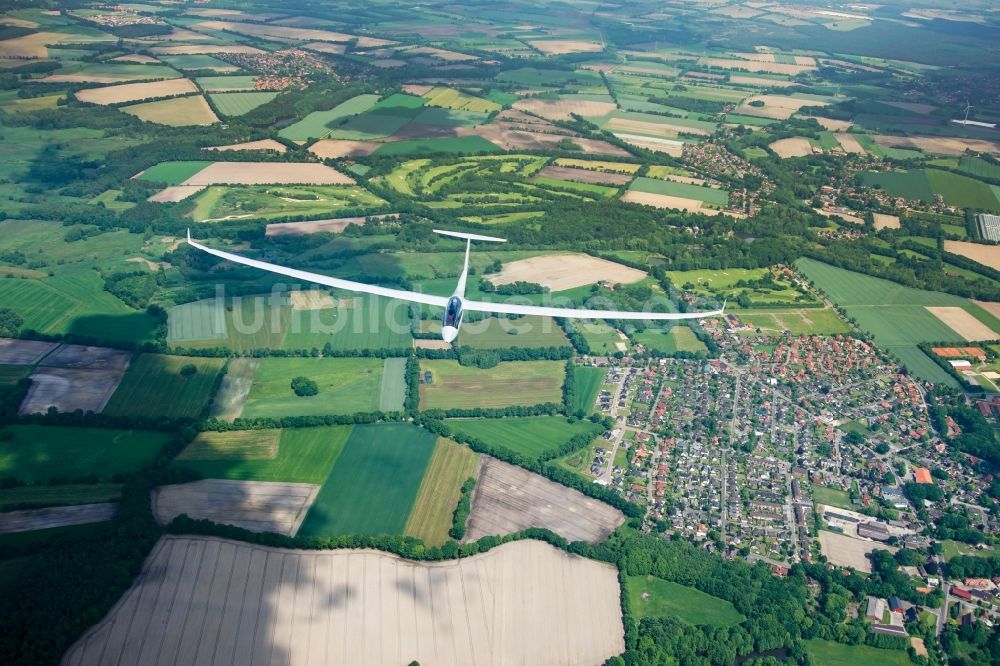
(529, 436)
(650, 596)
(529, 331)
(509, 383)
(346, 386)
(829, 653)
(896, 316)
(238, 103)
(587, 383)
(374, 483)
(449, 467)
(297, 455)
(153, 386)
(37, 453)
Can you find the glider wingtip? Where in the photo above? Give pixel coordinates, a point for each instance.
(189, 235)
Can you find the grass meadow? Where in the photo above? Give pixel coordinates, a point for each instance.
(670, 188)
(530, 436)
(829, 653)
(650, 596)
(172, 173)
(346, 386)
(154, 387)
(359, 322)
(239, 103)
(509, 383)
(679, 338)
(449, 467)
(529, 331)
(374, 483)
(587, 382)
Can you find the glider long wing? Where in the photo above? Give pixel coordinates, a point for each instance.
(337, 283)
(573, 313)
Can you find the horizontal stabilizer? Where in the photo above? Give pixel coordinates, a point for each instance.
(475, 237)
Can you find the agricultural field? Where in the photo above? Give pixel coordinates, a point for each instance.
(295, 455)
(176, 112)
(528, 436)
(896, 316)
(449, 467)
(374, 484)
(587, 384)
(172, 173)
(804, 321)
(679, 338)
(708, 195)
(317, 125)
(603, 339)
(924, 184)
(346, 386)
(829, 653)
(21, 498)
(225, 83)
(239, 103)
(356, 322)
(831, 497)
(508, 384)
(160, 386)
(35, 454)
(654, 597)
(497, 333)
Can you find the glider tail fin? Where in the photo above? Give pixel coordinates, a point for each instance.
(469, 237)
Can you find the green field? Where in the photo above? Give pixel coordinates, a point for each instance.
(36, 453)
(451, 145)
(346, 386)
(805, 321)
(923, 184)
(440, 491)
(172, 173)
(896, 316)
(831, 497)
(218, 83)
(509, 383)
(154, 387)
(828, 653)
(950, 549)
(725, 283)
(977, 166)
(302, 455)
(393, 391)
(192, 62)
(679, 338)
(23, 497)
(316, 125)
(374, 483)
(602, 339)
(12, 374)
(709, 195)
(587, 383)
(359, 322)
(529, 436)
(586, 188)
(238, 103)
(528, 331)
(667, 599)
(265, 202)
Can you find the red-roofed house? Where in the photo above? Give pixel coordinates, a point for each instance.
(922, 475)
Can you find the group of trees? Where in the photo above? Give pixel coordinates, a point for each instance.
(462, 509)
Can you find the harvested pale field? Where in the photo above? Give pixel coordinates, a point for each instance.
(761, 82)
(665, 129)
(133, 92)
(670, 202)
(204, 600)
(311, 299)
(585, 175)
(294, 34)
(778, 107)
(263, 144)
(177, 112)
(885, 221)
(442, 54)
(565, 271)
(657, 145)
(232, 395)
(736, 11)
(326, 47)
(175, 193)
(430, 344)
(794, 146)
(334, 148)
(834, 125)
(70, 389)
(87, 78)
(938, 144)
(23, 352)
(846, 551)
(754, 56)
(82, 357)
(417, 89)
(850, 143)
(991, 307)
(56, 516)
(511, 138)
(755, 66)
(508, 499)
(561, 46)
(31, 46)
(842, 214)
(197, 49)
(560, 109)
(268, 173)
(807, 61)
(136, 58)
(963, 323)
(333, 226)
(258, 506)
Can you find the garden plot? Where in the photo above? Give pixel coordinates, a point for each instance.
(962, 322)
(209, 600)
(56, 516)
(258, 506)
(23, 352)
(565, 271)
(133, 92)
(509, 499)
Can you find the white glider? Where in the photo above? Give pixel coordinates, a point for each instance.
(456, 305)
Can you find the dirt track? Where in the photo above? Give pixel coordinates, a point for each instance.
(509, 499)
(204, 600)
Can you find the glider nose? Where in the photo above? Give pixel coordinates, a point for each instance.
(449, 333)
